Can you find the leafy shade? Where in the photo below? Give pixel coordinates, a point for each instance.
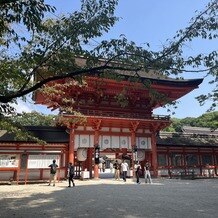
(34, 119)
(53, 45)
(208, 120)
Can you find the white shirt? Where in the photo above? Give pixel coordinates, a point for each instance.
(124, 166)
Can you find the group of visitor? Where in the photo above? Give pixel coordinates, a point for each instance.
(123, 168)
(53, 172)
(119, 169)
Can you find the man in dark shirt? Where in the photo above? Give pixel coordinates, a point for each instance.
(53, 171)
(70, 174)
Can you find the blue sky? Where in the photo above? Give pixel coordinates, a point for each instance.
(153, 21)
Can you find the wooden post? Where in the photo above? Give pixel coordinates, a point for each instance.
(154, 154)
(96, 141)
(26, 170)
(133, 144)
(72, 145)
(96, 127)
(89, 161)
(133, 128)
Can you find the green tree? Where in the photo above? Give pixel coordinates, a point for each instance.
(53, 45)
(34, 119)
(209, 120)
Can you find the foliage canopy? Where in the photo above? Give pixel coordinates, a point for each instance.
(52, 45)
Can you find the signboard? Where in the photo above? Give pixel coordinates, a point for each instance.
(9, 160)
(42, 160)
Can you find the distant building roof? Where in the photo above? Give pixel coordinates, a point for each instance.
(199, 130)
(188, 140)
(46, 133)
(191, 136)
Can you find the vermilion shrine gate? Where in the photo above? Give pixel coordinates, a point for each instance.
(115, 128)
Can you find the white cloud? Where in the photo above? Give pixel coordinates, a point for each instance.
(29, 106)
(22, 107)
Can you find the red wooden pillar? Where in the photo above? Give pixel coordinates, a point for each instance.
(96, 142)
(89, 161)
(200, 161)
(72, 145)
(133, 128)
(154, 154)
(96, 127)
(133, 143)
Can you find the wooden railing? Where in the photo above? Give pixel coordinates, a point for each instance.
(120, 114)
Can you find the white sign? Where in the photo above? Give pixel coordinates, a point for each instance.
(9, 160)
(42, 160)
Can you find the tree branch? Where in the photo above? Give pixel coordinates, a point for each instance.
(2, 2)
(188, 30)
(6, 99)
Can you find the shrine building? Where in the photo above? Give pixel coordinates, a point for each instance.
(119, 115)
(118, 123)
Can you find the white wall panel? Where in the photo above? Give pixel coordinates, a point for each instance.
(115, 142)
(115, 129)
(88, 128)
(124, 142)
(76, 142)
(143, 142)
(83, 141)
(139, 131)
(125, 130)
(149, 143)
(105, 129)
(105, 142)
(80, 128)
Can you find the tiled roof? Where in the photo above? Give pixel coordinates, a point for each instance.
(191, 140)
(199, 130)
(45, 133)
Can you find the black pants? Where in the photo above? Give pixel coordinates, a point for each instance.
(137, 176)
(70, 179)
(124, 175)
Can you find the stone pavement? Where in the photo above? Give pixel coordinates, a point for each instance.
(105, 198)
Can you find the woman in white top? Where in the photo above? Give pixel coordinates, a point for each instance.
(147, 173)
(124, 168)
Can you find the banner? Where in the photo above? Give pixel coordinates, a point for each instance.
(9, 160)
(42, 160)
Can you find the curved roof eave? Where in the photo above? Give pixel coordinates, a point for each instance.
(171, 81)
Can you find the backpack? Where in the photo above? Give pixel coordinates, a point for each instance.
(71, 170)
(53, 168)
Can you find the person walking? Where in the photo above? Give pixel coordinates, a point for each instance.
(124, 168)
(70, 174)
(53, 171)
(111, 167)
(137, 172)
(117, 170)
(100, 167)
(147, 172)
(103, 166)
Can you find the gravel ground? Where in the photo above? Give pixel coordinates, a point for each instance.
(109, 198)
